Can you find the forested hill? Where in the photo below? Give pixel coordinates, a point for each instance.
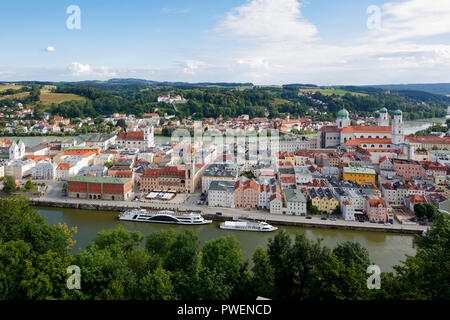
(436, 88)
(135, 96)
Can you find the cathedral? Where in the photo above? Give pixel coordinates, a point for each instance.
(381, 139)
(17, 150)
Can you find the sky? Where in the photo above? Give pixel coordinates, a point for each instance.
(342, 42)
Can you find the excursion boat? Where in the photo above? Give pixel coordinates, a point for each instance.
(245, 225)
(165, 216)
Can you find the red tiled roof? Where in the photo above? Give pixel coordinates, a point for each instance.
(132, 135)
(376, 202)
(429, 140)
(371, 129)
(360, 141)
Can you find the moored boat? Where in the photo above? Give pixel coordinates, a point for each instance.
(246, 225)
(164, 216)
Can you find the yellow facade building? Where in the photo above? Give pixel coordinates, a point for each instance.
(359, 175)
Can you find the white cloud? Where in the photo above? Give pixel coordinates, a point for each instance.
(192, 66)
(85, 70)
(49, 49)
(271, 42)
(267, 20)
(414, 19)
(78, 69)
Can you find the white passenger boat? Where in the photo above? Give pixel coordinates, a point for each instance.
(166, 216)
(245, 225)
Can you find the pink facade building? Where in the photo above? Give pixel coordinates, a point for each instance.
(409, 169)
(246, 193)
(377, 210)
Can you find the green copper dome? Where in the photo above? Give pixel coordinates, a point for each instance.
(398, 112)
(342, 114)
(383, 110)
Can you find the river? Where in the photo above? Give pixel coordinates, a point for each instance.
(386, 249)
(411, 126)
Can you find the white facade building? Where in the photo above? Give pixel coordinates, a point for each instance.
(295, 202)
(44, 170)
(221, 194)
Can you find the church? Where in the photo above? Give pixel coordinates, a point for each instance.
(383, 139)
(10, 150)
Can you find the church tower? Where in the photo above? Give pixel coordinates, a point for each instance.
(190, 170)
(21, 147)
(343, 119)
(398, 136)
(13, 151)
(383, 118)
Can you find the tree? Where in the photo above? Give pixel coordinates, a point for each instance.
(425, 276)
(333, 279)
(109, 164)
(337, 210)
(156, 285)
(158, 243)
(28, 185)
(119, 236)
(262, 279)
(183, 254)
(248, 174)
(25, 274)
(349, 251)
(312, 209)
(420, 210)
(9, 185)
(430, 211)
(225, 256)
(19, 131)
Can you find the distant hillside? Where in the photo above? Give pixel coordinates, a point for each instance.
(436, 88)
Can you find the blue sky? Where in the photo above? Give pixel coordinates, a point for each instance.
(261, 41)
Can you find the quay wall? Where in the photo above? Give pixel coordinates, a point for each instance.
(270, 219)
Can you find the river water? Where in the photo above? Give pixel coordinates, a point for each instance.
(386, 249)
(410, 127)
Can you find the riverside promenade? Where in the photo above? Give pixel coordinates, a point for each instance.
(227, 214)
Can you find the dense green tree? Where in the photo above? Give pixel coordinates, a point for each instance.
(430, 211)
(28, 185)
(420, 210)
(225, 256)
(336, 280)
(159, 242)
(349, 251)
(263, 274)
(156, 285)
(119, 236)
(25, 274)
(9, 184)
(183, 254)
(19, 222)
(425, 276)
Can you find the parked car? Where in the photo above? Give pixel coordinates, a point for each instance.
(323, 218)
(219, 213)
(333, 219)
(308, 217)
